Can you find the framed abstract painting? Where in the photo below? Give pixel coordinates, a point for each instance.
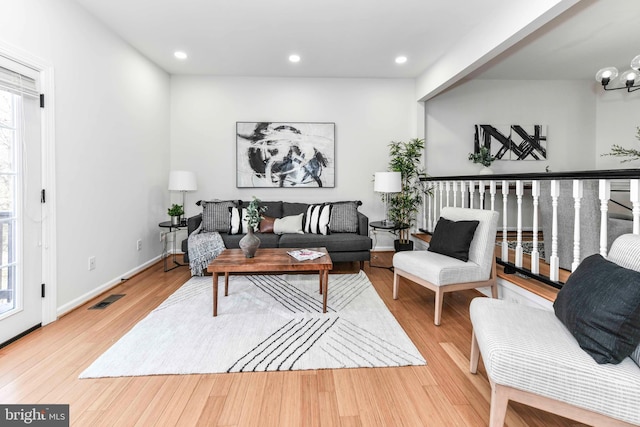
(285, 155)
(512, 142)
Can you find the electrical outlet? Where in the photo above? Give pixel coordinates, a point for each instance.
(139, 244)
(92, 263)
(162, 236)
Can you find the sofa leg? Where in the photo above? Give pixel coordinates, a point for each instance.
(361, 265)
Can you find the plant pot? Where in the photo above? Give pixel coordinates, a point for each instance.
(486, 170)
(403, 246)
(176, 220)
(249, 244)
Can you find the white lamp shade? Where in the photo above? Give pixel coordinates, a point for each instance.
(182, 181)
(387, 182)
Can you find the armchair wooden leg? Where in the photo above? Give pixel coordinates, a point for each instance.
(396, 279)
(499, 402)
(438, 306)
(475, 354)
(494, 290)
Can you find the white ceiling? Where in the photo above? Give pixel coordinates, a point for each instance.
(361, 38)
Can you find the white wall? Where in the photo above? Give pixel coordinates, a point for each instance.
(566, 107)
(112, 142)
(368, 113)
(617, 120)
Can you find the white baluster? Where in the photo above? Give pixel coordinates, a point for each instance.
(577, 200)
(429, 212)
(505, 197)
(492, 191)
(605, 195)
(634, 197)
(472, 190)
(519, 193)
(441, 188)
(481, 193)
(435, 206)
(554, 273)
(535, 255)
(455, 193)
(447, 187)
(463, 194)
(424, 208)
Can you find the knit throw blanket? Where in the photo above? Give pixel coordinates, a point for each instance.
(203, 248)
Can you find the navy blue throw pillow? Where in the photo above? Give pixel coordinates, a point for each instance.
(453, 238)
(600, 305)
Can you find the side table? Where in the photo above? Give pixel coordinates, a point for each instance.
(390, 227)
(173, 228)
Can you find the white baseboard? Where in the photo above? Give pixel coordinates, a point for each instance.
(64, 309)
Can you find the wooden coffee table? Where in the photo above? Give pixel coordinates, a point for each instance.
(267, 260)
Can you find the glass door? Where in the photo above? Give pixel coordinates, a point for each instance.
(20, 205)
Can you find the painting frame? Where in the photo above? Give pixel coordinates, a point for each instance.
(512, 142)
(285, 154)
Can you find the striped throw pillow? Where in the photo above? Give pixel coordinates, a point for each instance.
(316, 220)
(238, 221)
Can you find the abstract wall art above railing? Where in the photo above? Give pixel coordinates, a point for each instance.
(512, 142)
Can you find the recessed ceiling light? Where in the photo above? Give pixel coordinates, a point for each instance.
(294, 58)
(180, 55)
(401, 59)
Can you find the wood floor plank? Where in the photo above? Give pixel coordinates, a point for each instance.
(44, 367)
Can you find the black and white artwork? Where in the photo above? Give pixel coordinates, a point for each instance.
(512, 142)
(285, 154)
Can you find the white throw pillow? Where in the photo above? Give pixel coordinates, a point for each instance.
(288, 224)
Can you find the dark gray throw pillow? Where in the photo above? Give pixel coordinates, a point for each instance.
(344, 217)
(600, 305)
(453, 238)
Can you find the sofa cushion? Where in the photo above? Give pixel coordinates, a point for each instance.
(288, 224)
(344, 217)
(529, 349)
(453, 238)
(338, 242)
(291, 208)
(600, 305)
(267, 240)
(274, 209)
(316, 219)
(215, 214)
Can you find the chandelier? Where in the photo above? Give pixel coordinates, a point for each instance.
(627, 79)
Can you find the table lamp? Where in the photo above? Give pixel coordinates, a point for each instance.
(182, 181)
(387, 183)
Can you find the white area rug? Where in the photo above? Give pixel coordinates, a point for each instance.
(267, 323)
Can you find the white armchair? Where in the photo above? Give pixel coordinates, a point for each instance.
(531, 357)
(442, 273)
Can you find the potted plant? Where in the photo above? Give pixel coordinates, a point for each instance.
(250, 242)
(175, 212)
(406, 158)
(484, 157)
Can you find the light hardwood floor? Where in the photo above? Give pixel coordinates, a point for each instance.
(43, 367)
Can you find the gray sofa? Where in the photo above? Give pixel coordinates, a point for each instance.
(343, 247)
